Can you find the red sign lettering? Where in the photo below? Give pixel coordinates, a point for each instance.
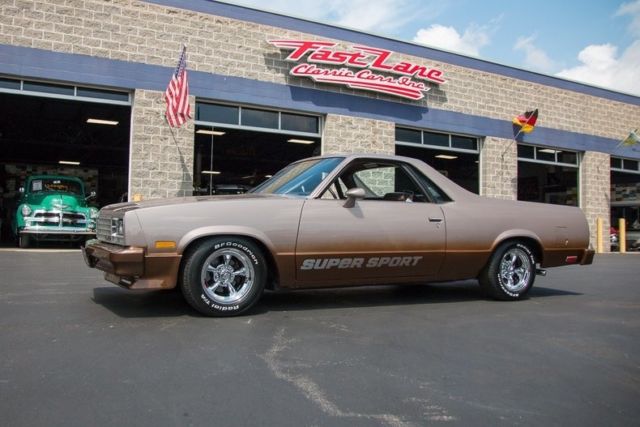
(368, 60)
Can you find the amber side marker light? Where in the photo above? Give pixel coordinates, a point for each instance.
(162, 244)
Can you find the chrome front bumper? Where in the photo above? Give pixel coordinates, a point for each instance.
(43, 229)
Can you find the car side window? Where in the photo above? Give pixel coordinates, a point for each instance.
(381, 180)
(433, 191)
(333, 192)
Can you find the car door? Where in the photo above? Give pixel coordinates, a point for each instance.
(394, 233)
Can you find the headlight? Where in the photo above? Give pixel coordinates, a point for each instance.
(94, 213)
(117, 227)
(26, 210)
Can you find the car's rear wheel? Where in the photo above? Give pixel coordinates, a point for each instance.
(510, 273)
(223, 276)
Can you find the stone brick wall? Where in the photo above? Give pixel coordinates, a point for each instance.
(499, 168)
(347, 135)
(136, 31)
(161, 157)
(595, 193)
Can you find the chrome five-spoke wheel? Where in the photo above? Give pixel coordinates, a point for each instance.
(223, 276)
(515, 269)
(510, 272)
(227, 276)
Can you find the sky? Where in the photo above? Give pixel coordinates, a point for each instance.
(592, 41)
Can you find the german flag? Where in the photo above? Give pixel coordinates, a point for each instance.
(526, 121)
(631, 140)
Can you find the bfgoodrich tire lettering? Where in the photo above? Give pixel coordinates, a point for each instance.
(223, 276)
(510, 273)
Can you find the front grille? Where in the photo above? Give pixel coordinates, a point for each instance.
(47, 218)
(103, 228)
(104, 232)
(73, 219)
(57, 219)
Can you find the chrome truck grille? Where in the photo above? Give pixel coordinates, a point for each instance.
(64, 219)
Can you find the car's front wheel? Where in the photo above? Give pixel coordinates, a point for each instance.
(24, 241)
(510, 273)
(223, 276)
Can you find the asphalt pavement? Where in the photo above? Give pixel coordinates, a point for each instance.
(78, 351)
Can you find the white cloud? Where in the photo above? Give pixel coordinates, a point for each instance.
(448, 38)
(601, 66)
(366, 15)
(633, 9)
(375, 15)
(535, 58)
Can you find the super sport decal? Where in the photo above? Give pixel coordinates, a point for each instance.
(350, 263)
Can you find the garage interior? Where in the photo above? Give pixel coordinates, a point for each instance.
(232, 161)
(238, 147)
(547, 175)
(52, 135)
(625, 198)
(457, 159)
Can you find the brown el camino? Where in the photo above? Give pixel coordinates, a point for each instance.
(334, 221)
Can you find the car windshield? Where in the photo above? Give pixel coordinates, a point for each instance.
(299, 179)
(55, 185)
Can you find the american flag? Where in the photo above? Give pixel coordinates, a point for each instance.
(177, 94)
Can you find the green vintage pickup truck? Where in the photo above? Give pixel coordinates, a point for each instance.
(53, 208)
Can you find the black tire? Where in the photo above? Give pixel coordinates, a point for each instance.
(24, 241)
(223, 276)
(519, 265)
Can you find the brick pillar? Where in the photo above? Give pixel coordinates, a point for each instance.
(161, 157)
(346, 135)
(595, 193)
(499, 168)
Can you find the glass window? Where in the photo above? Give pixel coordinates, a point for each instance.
(568, 157)
(10, 84)
(438, 139)
(103, 94)
(631, 165)
(616, 163)
(464, 142)
(259, 118)
(408, 135)
(546, 154)
(217, 113)
(526, 151)
(56, 185)
(436, 194)
(388, 181)
(299, 179)
(377, 181)
(48, 88)
(298, 123)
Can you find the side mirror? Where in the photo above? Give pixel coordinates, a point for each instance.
(91, 196)
(353, 194)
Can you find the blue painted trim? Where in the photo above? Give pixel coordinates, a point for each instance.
(31, 63)
(325, 30)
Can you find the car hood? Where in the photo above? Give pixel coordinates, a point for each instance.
(155, 203)
(55, 201)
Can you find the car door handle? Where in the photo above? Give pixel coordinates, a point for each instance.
(434, 219)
